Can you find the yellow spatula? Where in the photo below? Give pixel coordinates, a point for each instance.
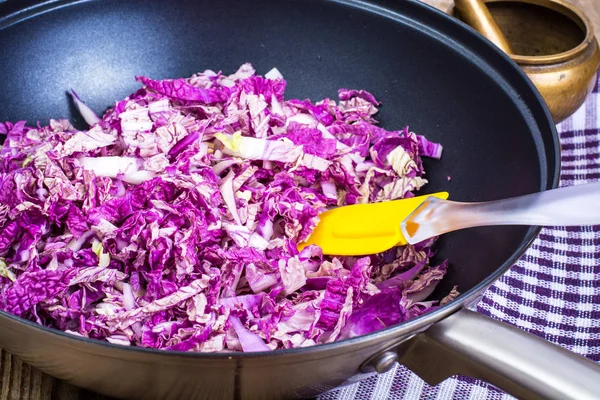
(362, 229)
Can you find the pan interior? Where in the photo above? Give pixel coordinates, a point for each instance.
(494, 146)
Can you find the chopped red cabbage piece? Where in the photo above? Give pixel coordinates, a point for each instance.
(173, 221)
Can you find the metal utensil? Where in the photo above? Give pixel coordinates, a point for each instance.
(476, 14)
(551, 40)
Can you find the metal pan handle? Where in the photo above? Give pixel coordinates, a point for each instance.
(522, 364)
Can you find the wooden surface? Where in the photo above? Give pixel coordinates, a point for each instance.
(20, 381)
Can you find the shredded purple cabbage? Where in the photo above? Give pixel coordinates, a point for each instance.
(172, 222)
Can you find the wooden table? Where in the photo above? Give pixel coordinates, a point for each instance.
(21, 381)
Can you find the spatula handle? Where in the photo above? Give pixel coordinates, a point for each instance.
(568, 206)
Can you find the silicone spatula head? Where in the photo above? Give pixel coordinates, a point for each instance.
(362, 229)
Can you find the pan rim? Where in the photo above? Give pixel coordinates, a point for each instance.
(383, 8)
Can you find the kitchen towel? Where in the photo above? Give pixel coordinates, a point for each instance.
(553, 291)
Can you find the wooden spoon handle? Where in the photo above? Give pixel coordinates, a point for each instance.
(476, 14)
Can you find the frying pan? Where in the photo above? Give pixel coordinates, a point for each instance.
(432, 73)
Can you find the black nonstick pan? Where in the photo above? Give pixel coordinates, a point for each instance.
(431, 72)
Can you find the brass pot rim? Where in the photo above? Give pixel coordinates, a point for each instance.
(568, 10)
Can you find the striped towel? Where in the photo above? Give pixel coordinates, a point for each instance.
(552, 291)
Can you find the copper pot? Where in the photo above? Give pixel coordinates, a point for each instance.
(551, 40)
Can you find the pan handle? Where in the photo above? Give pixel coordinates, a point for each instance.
(522, 364)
